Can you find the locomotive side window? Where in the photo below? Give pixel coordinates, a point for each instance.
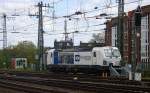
(94, 54)
(108, 52)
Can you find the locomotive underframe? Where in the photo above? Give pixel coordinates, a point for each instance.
(87, 69)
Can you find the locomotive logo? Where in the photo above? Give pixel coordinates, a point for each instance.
(77, 57)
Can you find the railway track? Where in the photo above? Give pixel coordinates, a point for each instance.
(79, 77)
(104, 87)
(67, 76)
(26, 87)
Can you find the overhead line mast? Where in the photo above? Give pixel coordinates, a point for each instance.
(40, 36)
(65, 29)
(41, 64)
(4, 32)
(120, 27)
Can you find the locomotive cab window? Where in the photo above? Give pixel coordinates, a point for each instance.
(94, 54)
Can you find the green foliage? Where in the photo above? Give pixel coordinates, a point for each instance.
(98, 38)
(4, 58)
(146, 74)
(24, 49)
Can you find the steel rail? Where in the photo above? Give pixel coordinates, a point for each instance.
(80, 85)
(25, 88)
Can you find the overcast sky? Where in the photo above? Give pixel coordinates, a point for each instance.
(26, 27)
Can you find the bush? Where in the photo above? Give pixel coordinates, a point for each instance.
(146, 74)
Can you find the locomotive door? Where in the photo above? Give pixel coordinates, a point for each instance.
(94, 61)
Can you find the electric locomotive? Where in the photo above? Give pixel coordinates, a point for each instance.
(94, 61)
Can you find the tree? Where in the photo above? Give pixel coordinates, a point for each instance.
(25, 49)
(98, 38)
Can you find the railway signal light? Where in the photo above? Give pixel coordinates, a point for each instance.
(138, 16)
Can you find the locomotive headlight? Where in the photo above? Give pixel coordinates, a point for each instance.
(115, 63)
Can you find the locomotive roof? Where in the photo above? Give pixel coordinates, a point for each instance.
(77, 50)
